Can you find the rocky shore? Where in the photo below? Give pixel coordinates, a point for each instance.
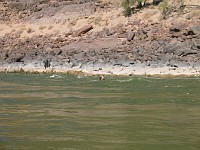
(77, 40)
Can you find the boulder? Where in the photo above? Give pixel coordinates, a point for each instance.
(111, 31)
(172, 46)
(79, 56)
(17, 5)
(196, 44)
(130, 35)
(21, 5)
(59, 40)
(189, 51)
(4, 55)
(92, 52)
(195, 30)
(38, 8)
(177, 27)
(103, 33)
(82, 30)
(173, 63)
(16, 57)
(136, 22)
(55, 52)
(179, 52)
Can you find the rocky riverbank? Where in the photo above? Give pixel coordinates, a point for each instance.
(95, 38)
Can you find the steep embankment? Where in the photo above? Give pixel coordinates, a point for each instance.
(96, 38)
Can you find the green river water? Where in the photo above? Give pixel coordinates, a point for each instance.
(63, 112)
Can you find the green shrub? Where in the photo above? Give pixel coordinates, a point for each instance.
(164, 8)
(128, 4)
(139, 3)
(168, 9)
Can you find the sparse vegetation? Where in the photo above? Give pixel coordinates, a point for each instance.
(164, 8)
(167, 8)
(140, 4)
(97, 20)
(193, 14)
(128, 6)
(29, 30)
(50, 27)
(13, 30)
(149, 14)
(19, 32)
(42, 27)
(22, 27)
(72, 22)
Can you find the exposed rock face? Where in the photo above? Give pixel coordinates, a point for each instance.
(56, 51)
(128, 45)
(16, 57)
(178, 27)
(83, 30)
(194, 30)
(130, 35)
(173, 46)
(24, 9)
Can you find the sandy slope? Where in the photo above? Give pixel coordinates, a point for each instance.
(66, 20)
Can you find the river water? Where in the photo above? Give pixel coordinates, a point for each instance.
(63, 112)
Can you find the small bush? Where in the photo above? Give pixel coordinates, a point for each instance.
(168, 9)
(128, 4)
(139, 3)
(164, 6)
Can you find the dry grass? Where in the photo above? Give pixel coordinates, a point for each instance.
(195, 13)
(117, 2)
(72, 23)
(149, 14)
(13, 30)
(19, 32)
(192, 2)
(113, 1)
(22, 28)
(50, 27)
(97, 21)
(30, 30)
(42, 27)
